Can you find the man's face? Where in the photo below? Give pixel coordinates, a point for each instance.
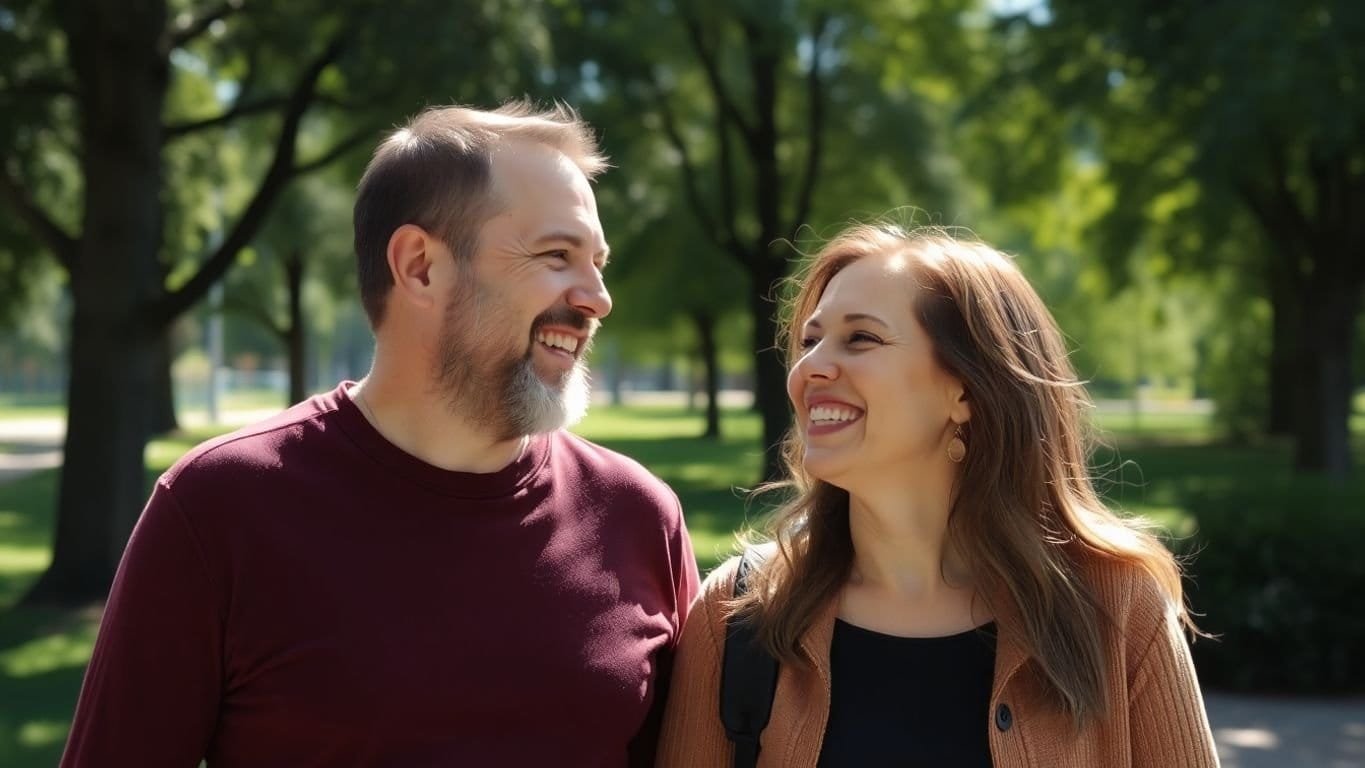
(518, 325)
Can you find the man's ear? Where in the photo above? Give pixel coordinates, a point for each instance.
(411, 253)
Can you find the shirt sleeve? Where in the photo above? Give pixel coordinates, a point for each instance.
(686, 585)
(152, 690)
(688, 580)
(1167, 720)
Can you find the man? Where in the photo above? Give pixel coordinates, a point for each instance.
(423, 568)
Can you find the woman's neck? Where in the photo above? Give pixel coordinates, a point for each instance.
(907, 577)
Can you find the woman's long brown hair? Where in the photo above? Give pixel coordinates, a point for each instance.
(1025, 515)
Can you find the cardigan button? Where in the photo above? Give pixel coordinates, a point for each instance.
(1003, 717)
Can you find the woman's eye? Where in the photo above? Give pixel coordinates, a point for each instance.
(863, 337)
(808, 342)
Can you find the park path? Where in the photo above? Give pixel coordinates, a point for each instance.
(1251, 731)
(1287, 732)
(28, 445)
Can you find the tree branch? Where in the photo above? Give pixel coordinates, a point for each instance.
(257, 313)
(727, 179)
(763, 61)
(277, 177)
(1283, 197)
(245, 109)
(711, 66)
(62, 245)
(815, 127)
(1355, 201)
(1276, 224)
(176, 130)
(40, 86)
(1330, 183)
(689, 171)
(188, 27)
(362, 136)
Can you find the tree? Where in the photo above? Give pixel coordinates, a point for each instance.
(1268, 98)
(743, 93)
(664, 271)
(104, 81)
(305, 242)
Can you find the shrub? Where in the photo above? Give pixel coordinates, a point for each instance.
(1278, 571)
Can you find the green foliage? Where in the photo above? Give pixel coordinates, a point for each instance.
(1277, 573)
(1233, 134)
(1273, 560)
(1237, 376)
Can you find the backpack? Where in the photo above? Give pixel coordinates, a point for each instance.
(748, 676)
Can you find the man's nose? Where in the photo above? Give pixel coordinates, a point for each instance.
(590, 295)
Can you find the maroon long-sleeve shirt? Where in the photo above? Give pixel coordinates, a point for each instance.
(304, 593)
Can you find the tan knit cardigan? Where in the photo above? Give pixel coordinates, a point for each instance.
(1155, 717)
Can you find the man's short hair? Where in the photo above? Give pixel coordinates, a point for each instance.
(436, 172)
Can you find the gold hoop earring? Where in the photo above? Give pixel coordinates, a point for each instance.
(957, 447)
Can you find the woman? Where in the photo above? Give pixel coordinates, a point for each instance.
(945, 588)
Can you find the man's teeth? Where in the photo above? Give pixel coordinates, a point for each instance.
(560, 340)
(826, 413)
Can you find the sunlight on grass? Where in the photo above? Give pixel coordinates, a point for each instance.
(25, 532)
(31, 406)
(711, 547)
(48, 654)
(162, 452)
(19, 567)
(15, 560)
(42, 733)
(1175, 521)
(1119, 424)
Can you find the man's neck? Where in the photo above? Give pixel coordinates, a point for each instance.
(423, 426)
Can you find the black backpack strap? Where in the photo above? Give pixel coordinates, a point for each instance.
(748, 676)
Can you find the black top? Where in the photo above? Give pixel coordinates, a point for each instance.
(909, 701)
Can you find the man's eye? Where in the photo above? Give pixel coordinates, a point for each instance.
(562, 255)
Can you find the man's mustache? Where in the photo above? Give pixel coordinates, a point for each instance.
(567, 316)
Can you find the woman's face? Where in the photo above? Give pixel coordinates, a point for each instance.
(869, 395)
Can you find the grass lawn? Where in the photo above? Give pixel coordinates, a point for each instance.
(43, 405)
(1162, 464)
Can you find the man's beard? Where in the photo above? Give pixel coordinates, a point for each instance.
(484, 381)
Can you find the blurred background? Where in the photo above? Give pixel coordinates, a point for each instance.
(1184, 183)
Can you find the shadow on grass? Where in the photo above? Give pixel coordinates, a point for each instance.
(44, 652)
(42, 661)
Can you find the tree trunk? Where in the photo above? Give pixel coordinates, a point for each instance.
(121, 80)
(770, 372)
(1322, 426)
(102, 484)
(706, 337)
(161, 416)
(297, 341)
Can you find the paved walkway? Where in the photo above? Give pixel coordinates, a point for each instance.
(28, 445)
(1251, 731)
(1274, 732)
